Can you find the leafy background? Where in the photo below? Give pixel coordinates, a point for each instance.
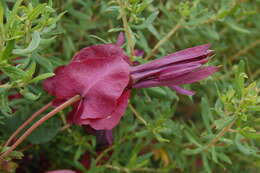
(217, 130)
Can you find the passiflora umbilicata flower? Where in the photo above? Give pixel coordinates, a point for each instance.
(103, 76)
(99, 79)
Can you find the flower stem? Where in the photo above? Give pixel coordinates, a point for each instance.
(130, 41)
(138, 116)
(27, 122)
(222, 133)
(38, 123)
(164, 39)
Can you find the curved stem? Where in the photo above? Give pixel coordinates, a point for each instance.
(221, 133)
(17, 131)
(164, 39)
(38, 123)
(128, 31)
(138, 116)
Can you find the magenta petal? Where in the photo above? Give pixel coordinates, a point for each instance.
(62, 85)
(112, 120)
(180, 80)
(165, 70)
(121, 39)
(104, 90)
(147, 84)
(173, 73)
(111, 51)
(186, 54)
(100, 81)
(181, 90)
(191, 77)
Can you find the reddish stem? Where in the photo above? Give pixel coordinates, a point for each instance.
(38, 123)
(27, 122)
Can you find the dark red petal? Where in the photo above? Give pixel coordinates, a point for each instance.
(100, 51)
(174, 72)
(62, 85)
(105, 86)
(180, 80)
(147, 83)
(186, 54)
(112, 120)
(192, 77)
(166, 69)
(100, 81)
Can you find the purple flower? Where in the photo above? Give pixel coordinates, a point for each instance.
(103, 76)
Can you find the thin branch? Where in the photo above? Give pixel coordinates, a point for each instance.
(164, 39)
(245, 50)
(221, 133)
(27, 122)
(130, 41)
(38, 123)
(138, 116)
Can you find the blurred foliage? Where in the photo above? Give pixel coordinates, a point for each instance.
(217, 130)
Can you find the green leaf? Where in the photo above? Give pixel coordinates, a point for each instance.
(44, 62)
(29, 95)
(249, 133)
(45, 132)
(148, 21)
(206, 113)
(206, 163)
(236, 27)
(41, 77)
(222, 156)
(191, 138)
(223, 122)
(12, 17)
(8, 49)
(5, 109)
(14, 72)
(160, 138)
(193, 151)
(157, 92)
(54, 20)
(31, 70)
(36, 39)
(254, 108)
(240, 77)
(244, 148)
(37, 11)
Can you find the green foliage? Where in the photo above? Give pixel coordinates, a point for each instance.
(217, 130)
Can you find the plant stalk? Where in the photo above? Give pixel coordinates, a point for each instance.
(17, 131)
(38, 123)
